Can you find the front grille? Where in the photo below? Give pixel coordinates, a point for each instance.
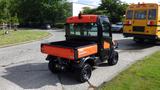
(138, 28)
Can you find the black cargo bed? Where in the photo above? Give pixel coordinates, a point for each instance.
(71, 44)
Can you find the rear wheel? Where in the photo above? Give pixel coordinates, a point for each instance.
(83, 74)
(121, 30)
(53, 66)
(151, 41)
(113, 58)
(138, 40)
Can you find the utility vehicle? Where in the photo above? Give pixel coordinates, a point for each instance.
(88, 43)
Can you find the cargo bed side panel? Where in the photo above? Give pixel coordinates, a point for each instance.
(67, 53)
(86, 51)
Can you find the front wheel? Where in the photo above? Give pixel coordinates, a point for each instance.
(83, 74)
(113, 58)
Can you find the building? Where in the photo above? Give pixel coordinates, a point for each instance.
(77, 7)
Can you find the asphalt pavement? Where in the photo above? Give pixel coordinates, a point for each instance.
(24, 66)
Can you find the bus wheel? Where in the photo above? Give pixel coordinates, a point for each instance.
(152, 41)
(138, 40)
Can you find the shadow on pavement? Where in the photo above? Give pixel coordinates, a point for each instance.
(129, 44)
(37, 75)
(104, 65)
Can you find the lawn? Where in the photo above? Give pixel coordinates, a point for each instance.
(143, 75)
(16, 37)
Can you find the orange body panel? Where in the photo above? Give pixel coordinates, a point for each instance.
(83, 19)
(67, 53)
(88, 50)
(106, 45)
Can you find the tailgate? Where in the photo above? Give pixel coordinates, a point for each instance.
(87, 50)
(62, 52)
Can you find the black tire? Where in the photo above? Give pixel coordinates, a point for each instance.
(151, 41)
(83, 74)
(52, 65)
(121, 30)
(138, 40)
(113, 60)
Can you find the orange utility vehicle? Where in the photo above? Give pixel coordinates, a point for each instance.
(88, 43)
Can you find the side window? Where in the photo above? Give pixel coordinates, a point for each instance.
(129, 14)
(72, 29)
(106, 27)
(94, 29)
(152, 14)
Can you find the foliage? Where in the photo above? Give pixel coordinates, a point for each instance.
(42, 11)
(114, 9)
(33, 11)
(5, 12)
(14, 20)
(59, 25)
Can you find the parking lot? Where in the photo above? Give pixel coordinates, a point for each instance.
(24, 66)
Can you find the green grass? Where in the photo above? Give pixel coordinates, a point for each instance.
(15, 37)
(143, 75)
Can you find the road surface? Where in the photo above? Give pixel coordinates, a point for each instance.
(24, 66)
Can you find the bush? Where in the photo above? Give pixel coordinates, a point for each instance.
(59, 25)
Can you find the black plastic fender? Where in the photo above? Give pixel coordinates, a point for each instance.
(50, 57)
(89, 60)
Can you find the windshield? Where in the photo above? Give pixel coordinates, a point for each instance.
(83, 29)
(140, 14)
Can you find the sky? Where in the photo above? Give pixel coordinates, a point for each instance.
(97, 2)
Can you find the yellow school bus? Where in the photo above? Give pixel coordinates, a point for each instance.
(142, 22)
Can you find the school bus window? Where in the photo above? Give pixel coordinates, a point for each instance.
(152, 14)
(129, 14)
(140, 14)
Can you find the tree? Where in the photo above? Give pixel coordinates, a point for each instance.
(114, 9)
(4, 11)
(88, 10)
(6, 17)
(41, 11)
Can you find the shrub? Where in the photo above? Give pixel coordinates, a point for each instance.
(59, 25)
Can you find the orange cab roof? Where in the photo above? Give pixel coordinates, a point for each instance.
(82, 19)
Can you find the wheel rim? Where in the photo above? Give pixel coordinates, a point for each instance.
(115, 58)
(86, 73)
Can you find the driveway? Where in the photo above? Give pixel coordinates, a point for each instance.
(24, 66)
